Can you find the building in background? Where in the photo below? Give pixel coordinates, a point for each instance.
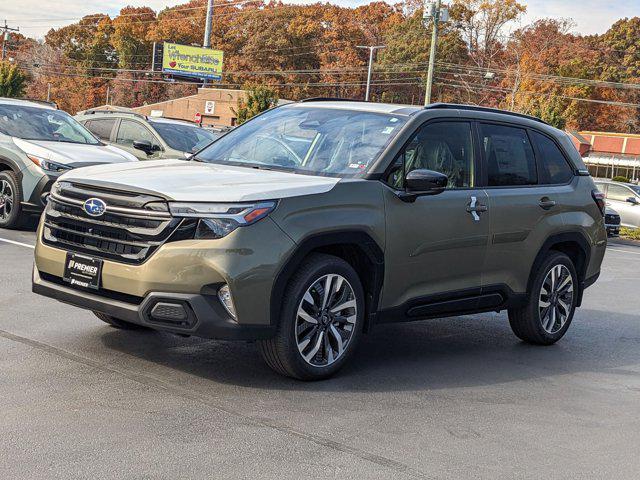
(609, 155)
(216, 107)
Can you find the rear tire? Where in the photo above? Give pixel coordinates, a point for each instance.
(551, 303)
(318, 332)
(11, 215)
(117, 323)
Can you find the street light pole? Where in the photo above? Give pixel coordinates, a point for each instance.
(432, 53)
(206, 43)
(372, 48)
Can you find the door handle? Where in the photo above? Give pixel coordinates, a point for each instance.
(474, 208)
(546, 203)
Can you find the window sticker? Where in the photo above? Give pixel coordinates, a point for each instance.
(387, 130)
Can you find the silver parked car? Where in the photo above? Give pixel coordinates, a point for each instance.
(148, 138)
(38, 143)
(624, 198)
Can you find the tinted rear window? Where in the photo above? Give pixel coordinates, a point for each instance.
(509, 156)
(553, 163)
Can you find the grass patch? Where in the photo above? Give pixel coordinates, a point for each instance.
(630, 233)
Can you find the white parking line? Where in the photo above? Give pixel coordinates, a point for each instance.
(13, 242)
(622, 251)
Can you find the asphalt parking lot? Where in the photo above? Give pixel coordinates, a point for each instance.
(451, 398)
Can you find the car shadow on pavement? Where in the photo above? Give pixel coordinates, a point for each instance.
(434, 354)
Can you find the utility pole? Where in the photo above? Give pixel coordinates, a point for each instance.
(436, 14)
(372, 48)
(48, 92)
(6, 30)
(206, 43)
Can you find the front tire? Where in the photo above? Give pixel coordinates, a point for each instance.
(551, 302)
(11, 215)
(321, 322)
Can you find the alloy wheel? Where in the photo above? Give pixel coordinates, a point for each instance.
(6, 200)
(326, 320)
(556, 299)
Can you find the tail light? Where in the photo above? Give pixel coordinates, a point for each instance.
(598, 197)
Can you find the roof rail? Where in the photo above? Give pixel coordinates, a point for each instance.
(36, 100)
(329, 99)
(477, 108)
(119, 112)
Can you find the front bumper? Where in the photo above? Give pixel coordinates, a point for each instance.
(202, 315)
(186, 272)
(613, 230)
(37, 200)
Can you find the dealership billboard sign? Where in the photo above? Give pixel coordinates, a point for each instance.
(194, 62)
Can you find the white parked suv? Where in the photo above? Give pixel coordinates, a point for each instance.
(38, 143)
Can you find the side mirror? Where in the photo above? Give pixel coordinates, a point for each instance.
(146, 146)
(423, 182)
(633, 200)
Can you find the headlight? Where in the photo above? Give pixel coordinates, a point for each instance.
(48, 165)
(218, 220)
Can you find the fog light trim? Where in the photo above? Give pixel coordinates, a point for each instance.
(224, 295)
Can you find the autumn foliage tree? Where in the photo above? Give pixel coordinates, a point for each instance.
(486, 56)
(259, 98)
(12, 80)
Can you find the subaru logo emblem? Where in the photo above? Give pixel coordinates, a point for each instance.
(94, 207)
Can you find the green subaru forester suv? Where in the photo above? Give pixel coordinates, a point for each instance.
(315, 221)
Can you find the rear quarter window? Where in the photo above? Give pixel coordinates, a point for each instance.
(101, 128)
(553, 164)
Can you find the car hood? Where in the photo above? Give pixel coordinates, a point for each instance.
(74, 154)
(201, 182)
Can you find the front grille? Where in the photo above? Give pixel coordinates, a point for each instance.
(611, 219)
(130, 230)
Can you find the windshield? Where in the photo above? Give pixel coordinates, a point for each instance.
(184, 137)
(316, 140)
(33, 123)
(636, 189)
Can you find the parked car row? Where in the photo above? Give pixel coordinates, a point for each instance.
(38, 143)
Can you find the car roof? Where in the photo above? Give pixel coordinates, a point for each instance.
(439, 109)
(27, 103)
(89, 114)
(171, 120)
(390, 108)
(613, 182)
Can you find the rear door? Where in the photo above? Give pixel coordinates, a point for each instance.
(102, 128)
(529, 183)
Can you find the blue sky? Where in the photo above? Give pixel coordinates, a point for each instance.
(35, 17)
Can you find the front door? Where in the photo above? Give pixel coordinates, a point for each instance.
(130, 131)
(436, 245)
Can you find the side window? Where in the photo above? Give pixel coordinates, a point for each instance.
(618, 192)
(130, 131)
(601, 187)
(555, 168)
(444, 147)
(101, 128)
(509, 156)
